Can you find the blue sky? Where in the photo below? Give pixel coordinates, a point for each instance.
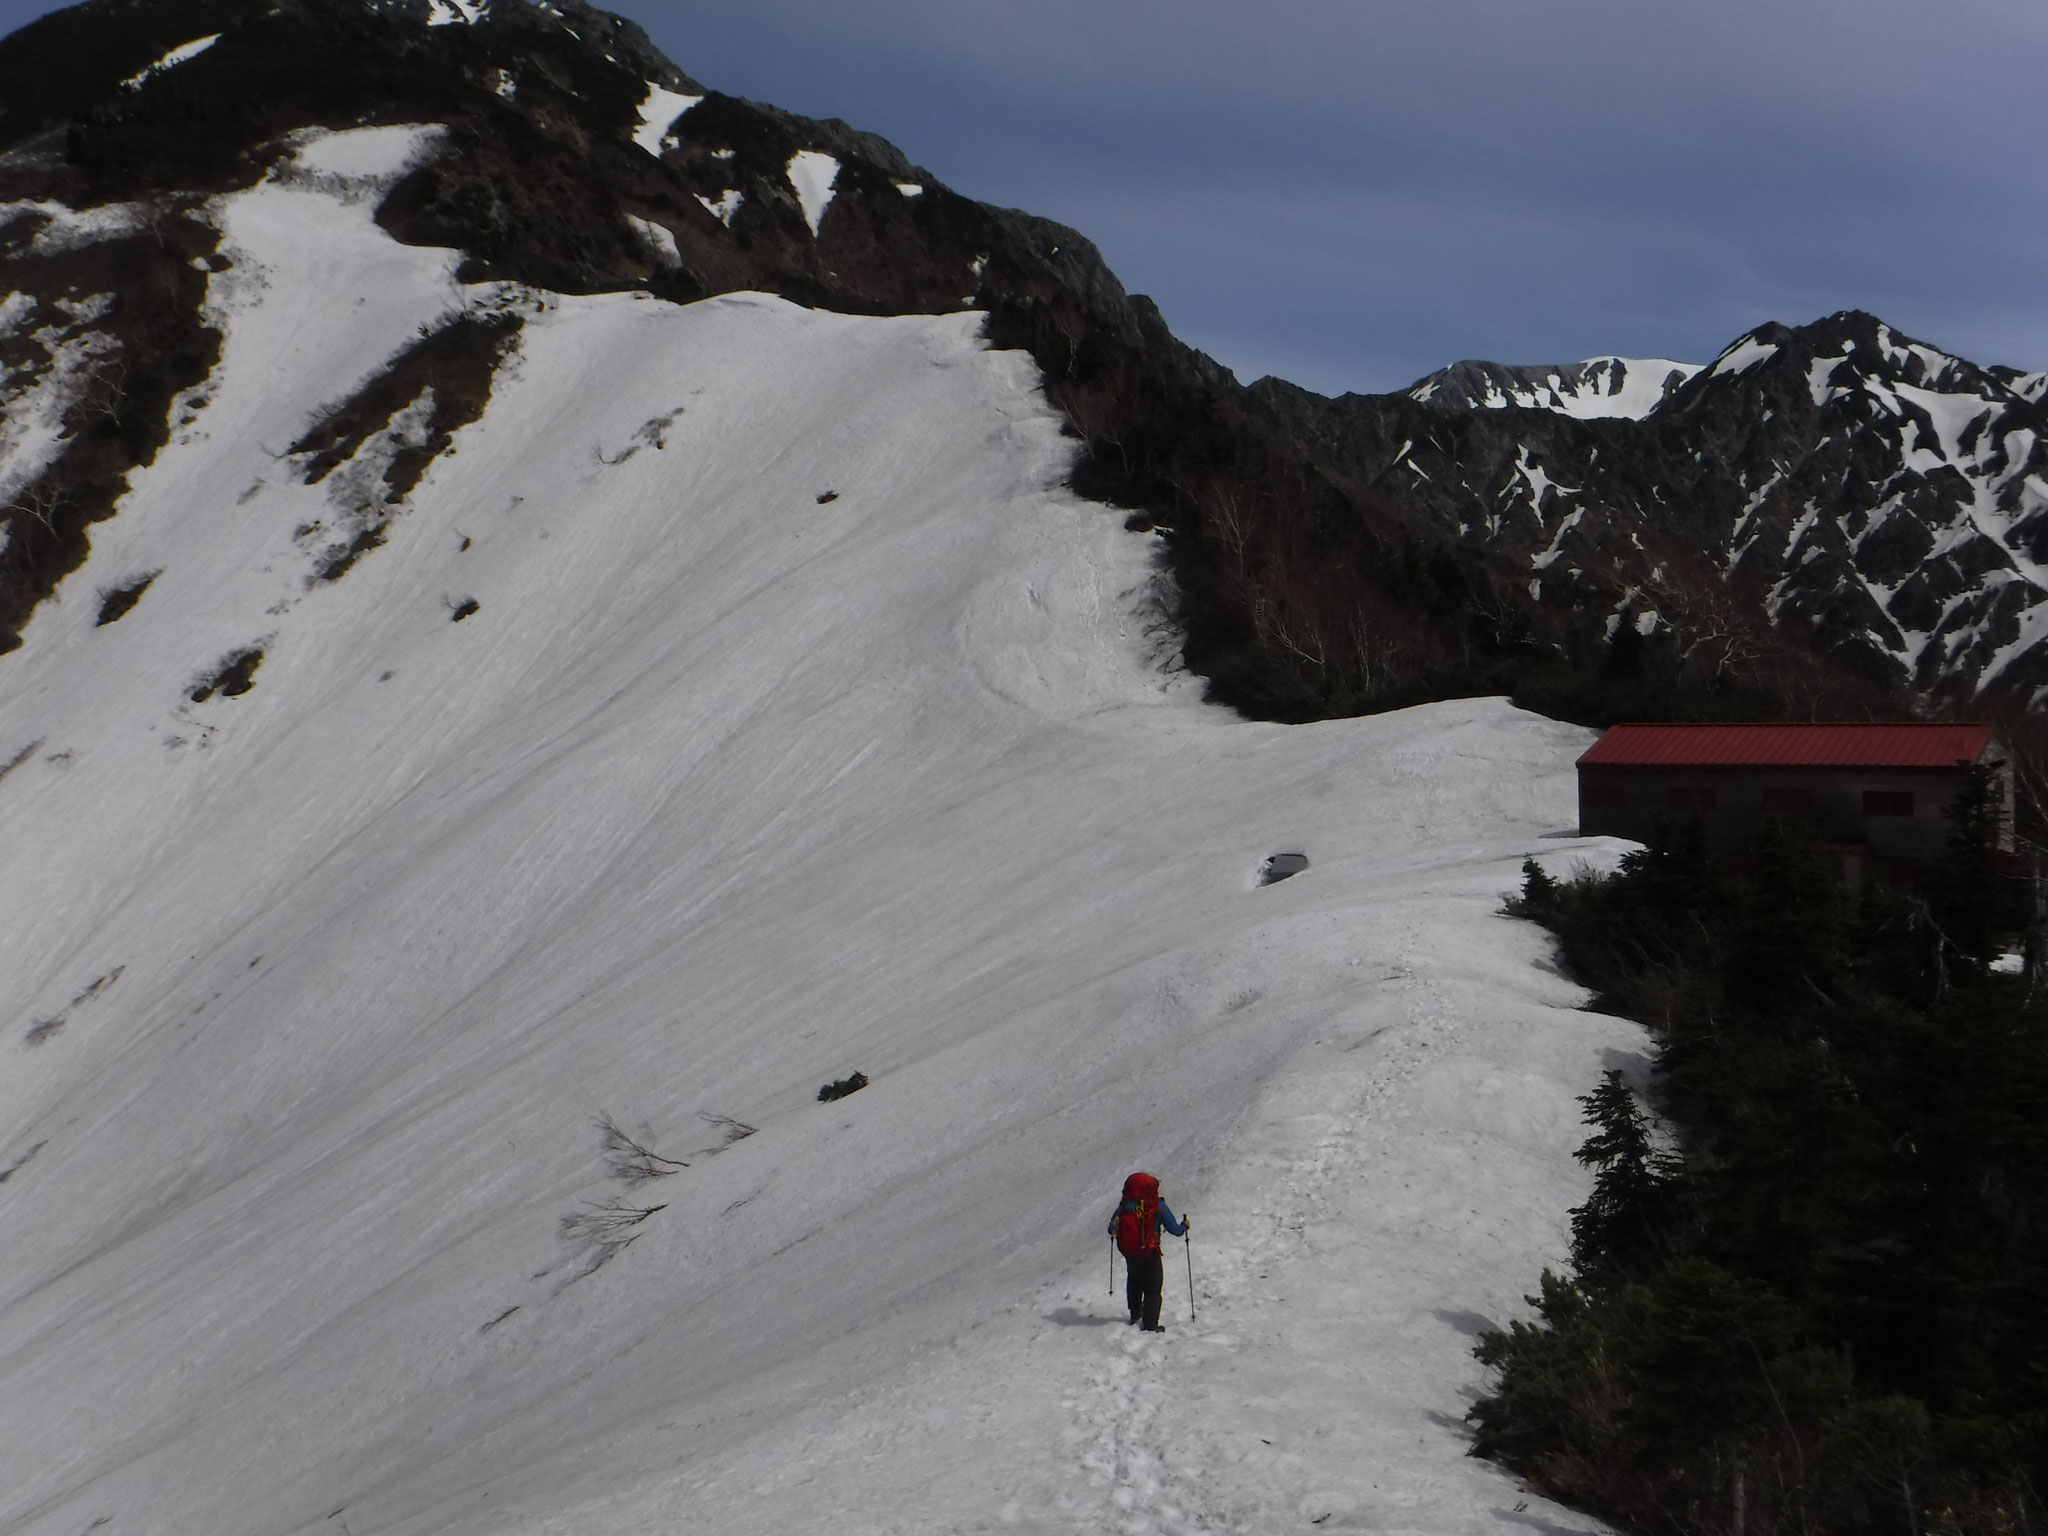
(1350, 193)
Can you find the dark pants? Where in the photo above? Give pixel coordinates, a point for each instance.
(1144, 1277)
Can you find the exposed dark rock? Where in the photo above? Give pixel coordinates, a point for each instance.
(451, 369)
(117, 601)
(233, 676)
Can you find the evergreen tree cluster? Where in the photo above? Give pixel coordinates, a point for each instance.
(1812, 1304)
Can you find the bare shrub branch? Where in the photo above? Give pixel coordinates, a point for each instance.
(606, 1223)
(603, 1231)
(41, 501)
(628, 1160)
(731, 1129)
(106, 391)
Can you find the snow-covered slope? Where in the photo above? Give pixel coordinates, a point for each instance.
(740, 702)
(1600, 386)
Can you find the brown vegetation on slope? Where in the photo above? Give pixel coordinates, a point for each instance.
(139, 297)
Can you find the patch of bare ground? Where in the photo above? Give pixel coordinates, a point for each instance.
(444, 380)
(115, 602)
(106, 334)
(232, 676)
(19, 758)
(47, 1029)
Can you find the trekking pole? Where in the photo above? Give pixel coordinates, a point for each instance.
(1188, 1242)
(1112, 1266)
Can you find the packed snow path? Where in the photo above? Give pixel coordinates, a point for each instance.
(719, 791)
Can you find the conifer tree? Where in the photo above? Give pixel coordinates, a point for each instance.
(1624, 658)
(1966, 891)
(1674, 872)
(1619, 1227)
(1825, 1321)
(1788, 939)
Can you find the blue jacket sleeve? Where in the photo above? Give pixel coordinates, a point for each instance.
(1166, 1220)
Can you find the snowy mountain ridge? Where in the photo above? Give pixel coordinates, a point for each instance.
(1600, 386)
(558, 165)
(2028, 386)
(1882, 500)
(1492, 536)
(550, 611)
(449, 709)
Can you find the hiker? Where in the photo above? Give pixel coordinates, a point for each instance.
(1135, 1226)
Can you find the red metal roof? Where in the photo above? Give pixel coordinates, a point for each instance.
(1909, 745)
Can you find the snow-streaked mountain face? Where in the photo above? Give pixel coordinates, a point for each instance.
(524, 707)
(2028, 386)
(1914, 527)
(1599, 386)
(571, 155)
(1839, 481)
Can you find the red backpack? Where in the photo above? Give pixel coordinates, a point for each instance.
(1137, 1219)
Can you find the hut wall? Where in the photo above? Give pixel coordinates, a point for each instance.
(1892, 814)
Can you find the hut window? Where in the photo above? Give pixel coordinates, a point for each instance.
(1887, 802)
(1788, 802)
(1687, 797)
(1607, 797)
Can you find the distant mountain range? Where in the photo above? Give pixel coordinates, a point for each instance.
(1833, 516)
(1854, 486)
(1599, 386)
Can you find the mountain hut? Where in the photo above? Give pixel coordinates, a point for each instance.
(1874, 792)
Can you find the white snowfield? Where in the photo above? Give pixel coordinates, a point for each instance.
(1598, 387)
(182, 54)
(659, 110)
(812, 174)
(721, 792)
